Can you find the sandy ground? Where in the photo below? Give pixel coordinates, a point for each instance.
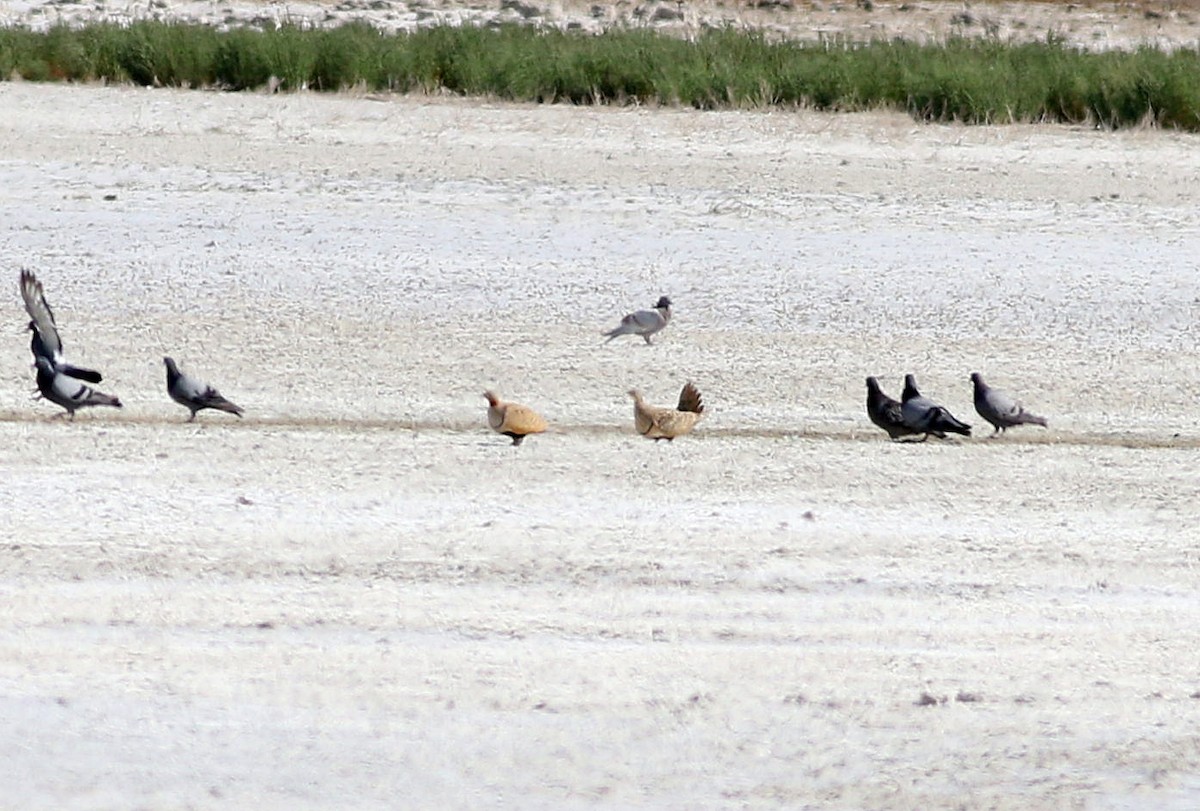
(359, 597)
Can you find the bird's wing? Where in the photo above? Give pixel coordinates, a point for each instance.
(1002, 405)
(690, 400)
(522, 420)
(192, 389)
(891, 415)
(644, 320)
(211, 398)
(915, 412)
(677, 423)
(71, 389)
(41, 314)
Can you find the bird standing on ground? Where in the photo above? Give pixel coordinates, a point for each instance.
(924, 416)
(193, 394)
(46, 342)
(513, 419)
(644, 322)
(999, 409)
(657, 423)
(66, 391)
(886, 412)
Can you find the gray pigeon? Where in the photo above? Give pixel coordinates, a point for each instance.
(66, 391)
(885, 412)
(193, 394)
(644, 322)
(45, 342)
(924, 416)
(999, 409)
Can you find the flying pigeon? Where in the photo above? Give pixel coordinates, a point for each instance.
(924, 416)
(45, 342)
(643, 322)
(885, 412)
(66, 391)
(513, 419)
(657, 423)
(999, 409)
(193, 394)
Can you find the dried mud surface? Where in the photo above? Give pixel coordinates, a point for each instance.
(358, 596)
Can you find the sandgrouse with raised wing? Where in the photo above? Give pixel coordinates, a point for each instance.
(658, 423)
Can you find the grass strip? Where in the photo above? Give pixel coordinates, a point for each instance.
(969, 80)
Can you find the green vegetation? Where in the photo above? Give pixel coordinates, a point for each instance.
(970, 80)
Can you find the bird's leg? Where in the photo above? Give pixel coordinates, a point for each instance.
(646, 338)
(193, 417)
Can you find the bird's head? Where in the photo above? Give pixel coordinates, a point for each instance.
(976, 379)
(492, 399)
(664, 303)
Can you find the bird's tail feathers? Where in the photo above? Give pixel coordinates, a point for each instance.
(942, 420)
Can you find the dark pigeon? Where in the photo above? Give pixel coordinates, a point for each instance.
(193, 394)
(999, 409)
(886, 412)
(46, 342)
(924, 416)
(67, 391)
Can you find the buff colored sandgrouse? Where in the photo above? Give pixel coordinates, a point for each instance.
(513, 419)
(657, 423)
(999, 409)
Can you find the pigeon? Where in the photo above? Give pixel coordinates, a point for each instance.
(512, 419)
(45, 342)
(657, 423)
(999, 409)
(885, 412)
(924, 416)
(193, 394)
(643, 322)
(66, 391)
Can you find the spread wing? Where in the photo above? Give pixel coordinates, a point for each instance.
(42, 317)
